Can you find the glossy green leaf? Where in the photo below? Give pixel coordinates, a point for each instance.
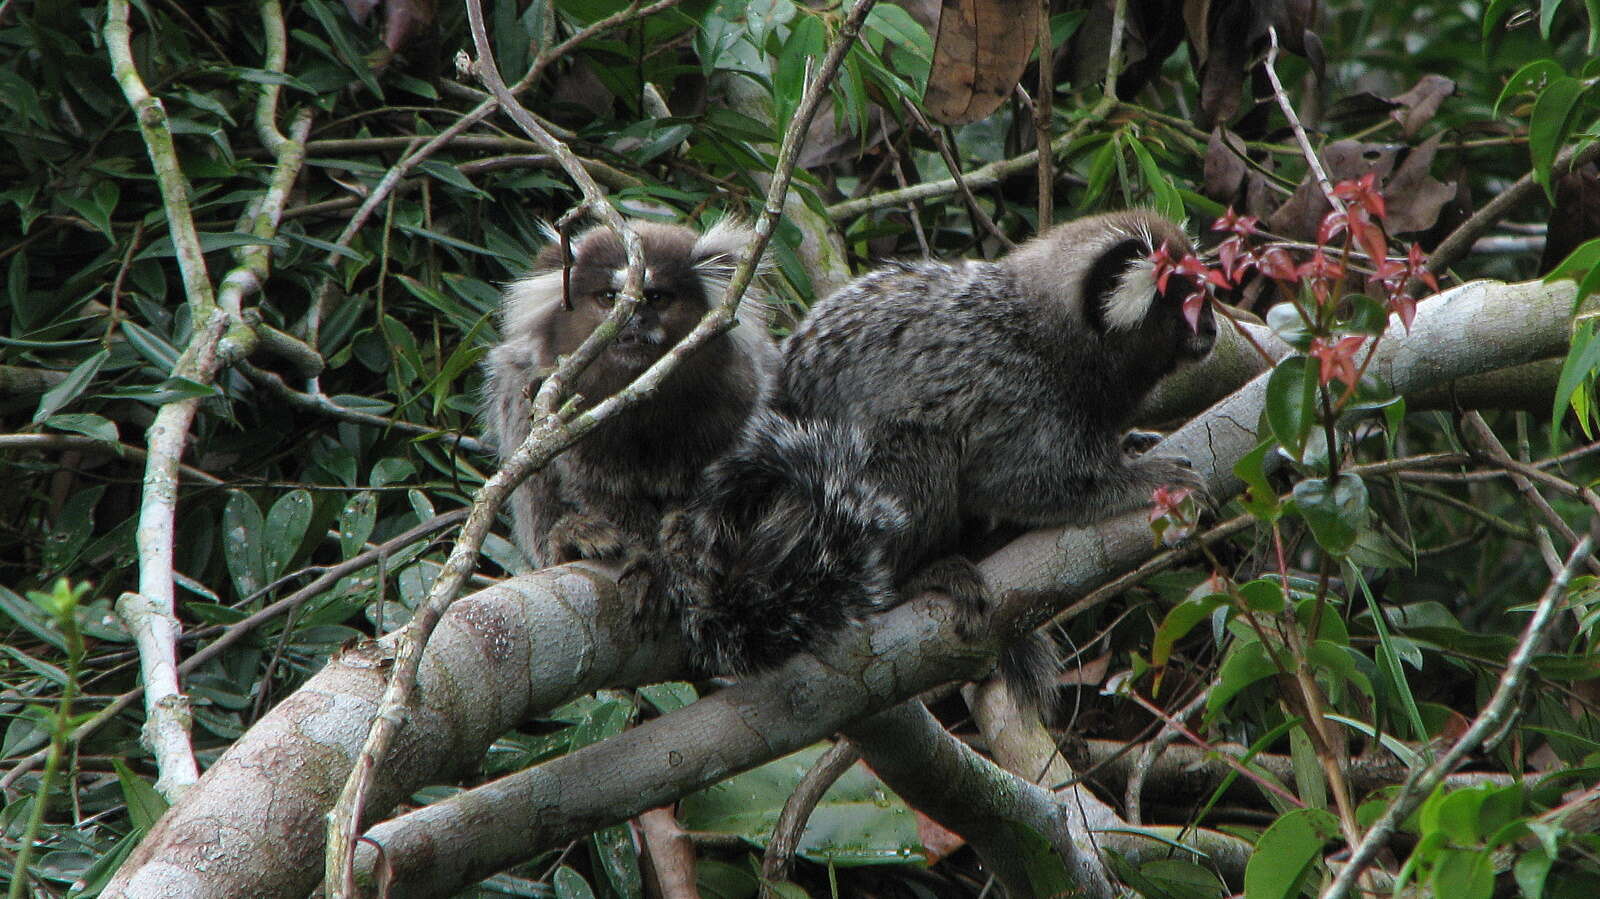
(356, 521)
(1336, 510)
(1529, 79)
(73, 386)
(286, 526)
(145, 804)
(1550, 124)
(243, 531)
(1179, 621)
(1290, 403)
(1259, 498)
(569, 884)
(858, 822)
(1246, 663)
(1463, 874)
(1578, 369)
(1287, 852)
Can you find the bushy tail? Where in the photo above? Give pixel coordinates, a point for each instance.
(1030, 668)
(786, 544)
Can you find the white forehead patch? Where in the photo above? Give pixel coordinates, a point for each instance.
(1127, 305)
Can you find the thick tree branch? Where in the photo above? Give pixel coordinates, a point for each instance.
(535, 641)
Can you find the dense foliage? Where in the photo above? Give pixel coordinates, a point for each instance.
(341, 411)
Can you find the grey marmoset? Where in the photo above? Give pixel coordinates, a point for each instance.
(913, 403)
(605, 496)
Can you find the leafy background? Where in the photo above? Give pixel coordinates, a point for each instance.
(361, 426)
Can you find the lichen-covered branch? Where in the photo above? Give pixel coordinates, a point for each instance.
(533, 642)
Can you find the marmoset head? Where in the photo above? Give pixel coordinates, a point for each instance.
(1099, 270)
(685, 273)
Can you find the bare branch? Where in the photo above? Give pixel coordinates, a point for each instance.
(1489, 721)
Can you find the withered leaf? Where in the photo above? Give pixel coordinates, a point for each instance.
(979, 54)
(1414, 196)
(1419, 104)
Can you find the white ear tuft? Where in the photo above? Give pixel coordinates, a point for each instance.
(526, 299)
(718, 251)
(1127, 305)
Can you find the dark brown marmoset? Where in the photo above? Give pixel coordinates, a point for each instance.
(604, 497)
(915, 403)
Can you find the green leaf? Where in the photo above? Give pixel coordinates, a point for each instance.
(1549, 125)
(1167, 201)
(97, 209)
(1047, 873)
(1259, 498)
(1583, 359)
(618, 859)
(1246, 664)
(805, 44)
(1578, 262)
(1287, 852)
(145, 804)
(1263, 594)
(449, 241)
(391, 470)
(1530, 872)
(1463, 874)
(170, 390)
(1179, 621)
(1494, 17)
(1335, 511)
(210, 242)
(569, 884)
(85, 423)
(69, 389)
(354, 60)
(669, 696)
(1528, 79)
(452, 176)
(356, 520)
(242, 530)
(286, 526)
(73, 527)
(1290, 403)
(1547, 14)
(858, 822)
(895, 24)
(161, 355)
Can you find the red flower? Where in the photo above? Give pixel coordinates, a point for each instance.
(1242, 225)
(1362, 192)
(1337, 360)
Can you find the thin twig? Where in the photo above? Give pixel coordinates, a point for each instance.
(1453, 248)
(1495, 713)
(550, 434)
(1043, 107)
(954, 165)
(1519, 476)
(1306, 149)
(786, 833)
(237, 630)
(1119, 20)
(322, 404)
(981, 177)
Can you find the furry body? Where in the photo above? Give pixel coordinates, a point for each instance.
(932, 397)
(605, 496)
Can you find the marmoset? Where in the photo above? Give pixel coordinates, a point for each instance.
(605, 496)
(914, 404)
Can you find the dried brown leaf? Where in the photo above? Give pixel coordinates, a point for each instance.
(1419, 104)
(979, 53)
